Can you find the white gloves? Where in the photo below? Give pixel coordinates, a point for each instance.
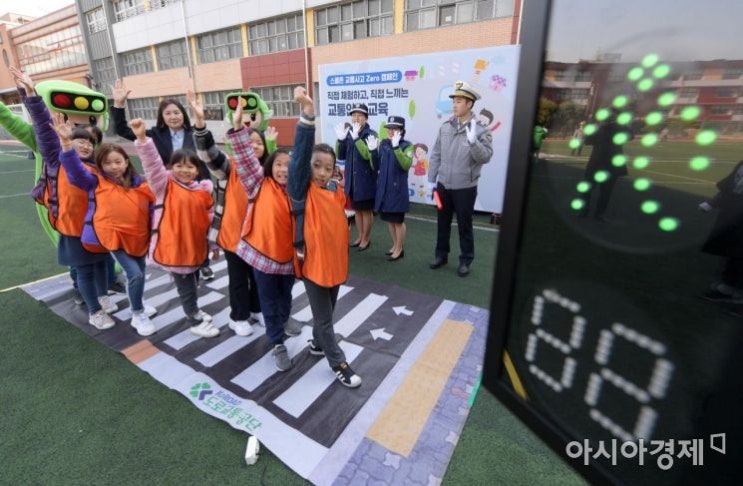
(355, 129)
(396, 139)
(372, 142)
(471, 131)
(705, 206)
(341, 131)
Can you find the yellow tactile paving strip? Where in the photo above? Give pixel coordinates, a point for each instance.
(399, 425)
(140, 351)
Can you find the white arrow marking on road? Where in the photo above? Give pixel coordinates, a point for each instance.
(402, 310)
(379, 333)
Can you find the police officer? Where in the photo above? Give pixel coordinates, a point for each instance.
(360, 173)
(461, 149)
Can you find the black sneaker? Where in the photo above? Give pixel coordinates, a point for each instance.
(116, 288)
(77, 297)
(346, 376)
(207, 273)
(314, 348)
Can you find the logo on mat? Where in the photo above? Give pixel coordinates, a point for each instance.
(201, 390)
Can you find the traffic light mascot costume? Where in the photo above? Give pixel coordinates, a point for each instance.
(78, 103)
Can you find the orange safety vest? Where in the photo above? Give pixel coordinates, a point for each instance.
(122, 217)
(268, 224)
(66, 212)
(184, 224)
(325, 237)
(233, 214)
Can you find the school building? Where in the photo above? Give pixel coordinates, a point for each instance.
(160, 48)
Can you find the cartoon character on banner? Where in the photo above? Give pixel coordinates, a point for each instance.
(80, 104)
(418, 179)
(485, 119)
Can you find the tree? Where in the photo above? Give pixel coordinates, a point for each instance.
(545, 111)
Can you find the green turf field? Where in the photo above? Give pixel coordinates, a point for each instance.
(74, 412)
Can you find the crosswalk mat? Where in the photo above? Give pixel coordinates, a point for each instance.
(420, 358)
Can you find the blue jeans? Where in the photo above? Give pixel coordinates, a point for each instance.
(275, 294)
(110, 272)
(91, 282)
(134, 270)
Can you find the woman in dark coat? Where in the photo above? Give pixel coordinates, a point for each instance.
(601, 159)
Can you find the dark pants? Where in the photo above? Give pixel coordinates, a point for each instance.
(604, 195)
(322, 302)
(91, 282)
(110, 272)
(242, 287)
(462, 203)
(187, 286)
(275, 294)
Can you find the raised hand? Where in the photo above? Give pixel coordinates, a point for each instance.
(22, 79)
(355, 129)
(139, 127)
(372, 142)
(301, 97)
(119, 93)
(271, 133)
(237, 116)
(197, 109)
(341, 131)
(471, 131)
(396, 137)
(63, 129)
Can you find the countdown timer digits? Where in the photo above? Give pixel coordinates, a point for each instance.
(583, 348)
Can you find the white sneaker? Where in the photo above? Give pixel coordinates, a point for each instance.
(205, 329)
(201, 316)
(101, 320)
(143, 324)
(241, 328)
(106, 304)
(257, 318)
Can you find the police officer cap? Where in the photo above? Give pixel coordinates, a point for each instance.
(360, 107)
(395, 122)
(465, 90)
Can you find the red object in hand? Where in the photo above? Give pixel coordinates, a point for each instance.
(437, 200)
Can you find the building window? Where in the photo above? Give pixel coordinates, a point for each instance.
(220, 46)
(58, 50)
(425, 14)
(280, 99)
(172, 55)
(145, 108)
(689, 93)
(719, 110)
(96, 20)
(726, 92)
(104, 74)
(732, 74)
(137, 62)
(281, 34)
(128, 8)
(355, 20)
(214, 104)
(155, 4)
(693, 74)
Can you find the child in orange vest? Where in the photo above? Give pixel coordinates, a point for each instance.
(324, 264)
(266, 240)
(182, 216)
(118, 218)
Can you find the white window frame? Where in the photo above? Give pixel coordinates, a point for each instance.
(145, 108)
(96, 20)
(429, 14)
(354, 20)
(213, 46)
(128, 8)
(182, 57)
(213, 103)
(276, 35)
(137, 62)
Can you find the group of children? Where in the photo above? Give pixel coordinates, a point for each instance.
(279, 216)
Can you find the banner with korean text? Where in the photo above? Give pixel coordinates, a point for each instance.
(417, 87)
